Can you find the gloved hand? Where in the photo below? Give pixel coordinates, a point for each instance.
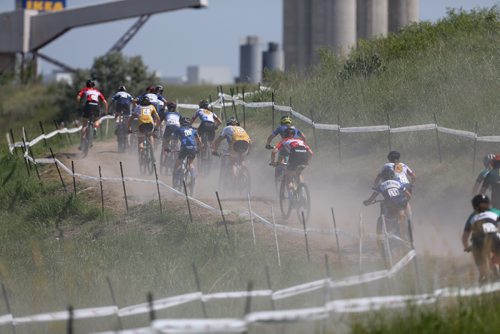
(269, 147)
(468, 249)
(367, 202)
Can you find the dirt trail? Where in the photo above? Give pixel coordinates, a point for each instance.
(436, 231)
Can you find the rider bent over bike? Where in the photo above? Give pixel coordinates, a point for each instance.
(481, 229)
(395, 194)
(190, 140)
(298, 152)
(147, 117)
(91, 97)
(173, 122)
(238, 141)
(209, 121)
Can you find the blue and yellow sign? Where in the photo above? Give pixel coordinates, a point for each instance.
(45, 5)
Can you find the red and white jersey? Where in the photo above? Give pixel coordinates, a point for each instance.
(290, 144)
(91, 95)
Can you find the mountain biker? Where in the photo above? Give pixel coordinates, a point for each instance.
(190, 140)
(482, 175)
(91, 97)
(238, 141)
(475, 231)
(285, 123)
(395, 194)
(172, 120)
(162, 101)
(122, 102)
(209, 121)
(492, 180)
(299, 154)
(147, 118)
(403, 173)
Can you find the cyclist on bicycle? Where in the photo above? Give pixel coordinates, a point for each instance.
(475, 230)
(172, 119)
(285, 123)
(395, 194)
(487, 160)
(91, 97)
(190, 140)
(492, 180)
(209, 121)
(161, 101)
(238, 141)
(298, 152)
(122, 102)
(403, 173)
(147, 118)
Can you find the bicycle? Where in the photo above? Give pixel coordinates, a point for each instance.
(121, 133)
(239, 179)
(183, 174)
(390, 237)
(204, 162)
(88, 136)
(279, 172)
(294, 196)
(146, 156)
(168, 157)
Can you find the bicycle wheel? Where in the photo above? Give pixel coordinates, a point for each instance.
(381, 242)
(303, 201)
(285, 200)
(244, 181)
(150, 161)
(86, 142)
(279, 174)
(121, 137)
(163, 162)
(190, 181)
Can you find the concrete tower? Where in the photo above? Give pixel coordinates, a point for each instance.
(343, 29)
(296, 33)
(250, 61)
(272, 58)
(372, 18)
(402, 13)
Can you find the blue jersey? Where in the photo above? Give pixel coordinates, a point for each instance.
(122, 98)
(187, 136)
(393, 191)
(280, 130)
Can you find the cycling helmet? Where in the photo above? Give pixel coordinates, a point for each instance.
(286, 120)
(488, 159)
(393, 156)
(204, 104)
(185, 121)
(495, 162)
(387, 174)
(150, 89)
(90, 83)
(159, 89)
(171, 106)
(478, 200)
(289, 132)
(122, 89)
(145, 101)
(232, 121)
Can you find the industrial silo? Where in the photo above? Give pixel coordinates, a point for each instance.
(342, 27)
(372, 18)
(250, 61)
(413, 11)
(272, 58)
(402, 13)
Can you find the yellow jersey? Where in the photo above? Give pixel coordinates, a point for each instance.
(146, 114)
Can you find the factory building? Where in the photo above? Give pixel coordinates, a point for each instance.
(338, 24)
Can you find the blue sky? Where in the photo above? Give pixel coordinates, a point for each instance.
(170, 42)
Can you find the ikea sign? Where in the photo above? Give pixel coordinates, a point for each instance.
(44, 5)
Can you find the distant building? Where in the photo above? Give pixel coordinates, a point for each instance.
(272, 58)
(59, 76)
(209, 75)
(311, 24)
(250, 61)
(175, 81)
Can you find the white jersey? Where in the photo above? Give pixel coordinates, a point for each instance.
(401, 171)
(205, 115)
(173, 118)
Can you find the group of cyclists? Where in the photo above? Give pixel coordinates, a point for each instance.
(153, 113)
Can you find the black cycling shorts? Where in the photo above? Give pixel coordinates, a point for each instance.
(208, 128)
(91, 110)
(240, 146)
(169, 130)
(123, 109)
(187, 152)
(298, 157)
(146, 128)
